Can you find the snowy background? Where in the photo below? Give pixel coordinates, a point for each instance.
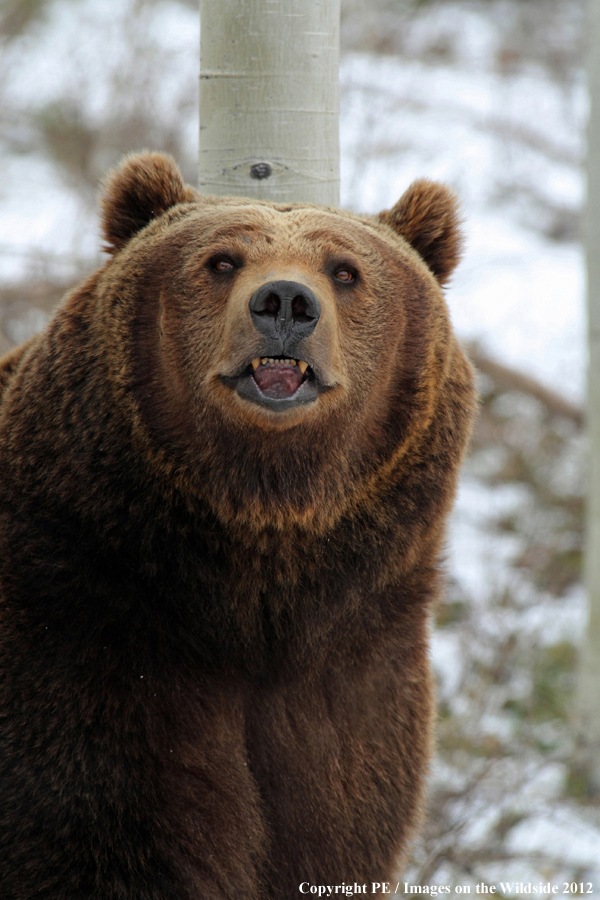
(489, 97)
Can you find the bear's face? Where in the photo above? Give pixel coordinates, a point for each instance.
(278, 316)
(254, 319)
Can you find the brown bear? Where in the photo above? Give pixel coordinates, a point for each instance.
(225, 469)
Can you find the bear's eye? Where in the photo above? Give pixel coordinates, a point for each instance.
(222, 264)
(345, 275)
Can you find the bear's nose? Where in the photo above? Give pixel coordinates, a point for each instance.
(285, 310)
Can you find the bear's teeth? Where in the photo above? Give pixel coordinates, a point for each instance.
(268, 360)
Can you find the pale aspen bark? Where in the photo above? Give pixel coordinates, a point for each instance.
(269, 99)
(588, 705)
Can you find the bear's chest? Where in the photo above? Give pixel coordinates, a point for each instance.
(312, 766)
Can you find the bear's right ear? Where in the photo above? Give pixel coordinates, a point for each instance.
(427, 217)
(141, 188)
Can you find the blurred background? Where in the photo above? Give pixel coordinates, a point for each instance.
(490, 97)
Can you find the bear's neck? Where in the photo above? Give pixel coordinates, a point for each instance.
(130, 557)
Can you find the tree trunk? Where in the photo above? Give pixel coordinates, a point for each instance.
(269, 99)
(589, 677)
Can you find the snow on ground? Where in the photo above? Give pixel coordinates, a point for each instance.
(79, 55)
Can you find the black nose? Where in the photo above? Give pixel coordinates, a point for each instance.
(285, 310)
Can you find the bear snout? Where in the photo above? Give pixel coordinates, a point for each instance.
(285, 312)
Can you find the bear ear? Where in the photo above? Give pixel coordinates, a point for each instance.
(141, 188)
(427, 217)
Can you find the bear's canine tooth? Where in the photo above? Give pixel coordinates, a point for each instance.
(255, 363)
(303, 366)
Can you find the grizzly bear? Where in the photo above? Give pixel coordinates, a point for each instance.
(225, 469)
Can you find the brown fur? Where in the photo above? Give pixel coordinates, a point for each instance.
(215, 615)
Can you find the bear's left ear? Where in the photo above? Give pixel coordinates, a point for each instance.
(427, 217)
(141, 188)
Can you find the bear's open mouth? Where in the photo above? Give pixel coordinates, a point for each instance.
(277, 377)
(276, 382)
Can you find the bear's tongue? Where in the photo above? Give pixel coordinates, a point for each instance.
(278, 381)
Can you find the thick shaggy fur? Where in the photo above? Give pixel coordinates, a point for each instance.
(214, 616)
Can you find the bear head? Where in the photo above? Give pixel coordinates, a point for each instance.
(282, 357)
